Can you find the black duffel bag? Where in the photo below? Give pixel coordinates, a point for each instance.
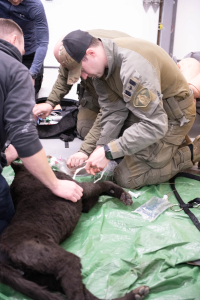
(66, 126)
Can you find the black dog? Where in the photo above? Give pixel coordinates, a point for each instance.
(32, 262)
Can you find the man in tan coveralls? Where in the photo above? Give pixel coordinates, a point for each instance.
(137, 81)
(88, 98)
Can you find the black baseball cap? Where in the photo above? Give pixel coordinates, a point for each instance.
(73, 49)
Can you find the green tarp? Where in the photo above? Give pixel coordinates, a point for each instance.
(120, 251)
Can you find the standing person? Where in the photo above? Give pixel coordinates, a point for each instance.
(17, 123)
(138, 78)
(30, 16)
(88, 98)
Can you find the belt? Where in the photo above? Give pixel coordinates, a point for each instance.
(191, 204)
(174, 108)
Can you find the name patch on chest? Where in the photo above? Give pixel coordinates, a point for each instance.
(131, 88)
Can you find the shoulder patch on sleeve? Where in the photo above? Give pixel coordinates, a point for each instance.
(143, 98)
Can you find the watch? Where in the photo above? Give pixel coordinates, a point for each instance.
(108, 153)
(33, 75)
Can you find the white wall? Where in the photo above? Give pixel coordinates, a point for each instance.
(187, 29)
(128, 16)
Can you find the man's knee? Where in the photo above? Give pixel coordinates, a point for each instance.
(85, 121)
(130, 181)
(134, 178)
(123, 176)
(83, 127)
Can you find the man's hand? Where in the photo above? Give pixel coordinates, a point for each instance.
(96, 169)
(43, 110)
(97, 161)
(68, 190)
(11, 154)
(76, 159)
(38, 166)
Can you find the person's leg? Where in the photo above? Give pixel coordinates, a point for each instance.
(38, 80)
(135, 173)
(28, 59)
(85, 120)
(160, 161)
(6, 204)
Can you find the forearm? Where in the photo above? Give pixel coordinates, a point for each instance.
(60, 88)
(57, 93)
(37, 164)
(37, 14)
(38, 59)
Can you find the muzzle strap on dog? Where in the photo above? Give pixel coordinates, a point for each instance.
(191, 204)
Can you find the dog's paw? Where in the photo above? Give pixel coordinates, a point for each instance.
(126, 198)
(139, 293)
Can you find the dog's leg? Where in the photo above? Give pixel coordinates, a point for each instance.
(51, 259)
(137, 294)
(92, 191)
(14, 279)
(88, 203)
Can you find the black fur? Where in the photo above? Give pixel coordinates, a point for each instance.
(32, 262)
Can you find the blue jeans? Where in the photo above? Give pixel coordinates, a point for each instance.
(6, 204)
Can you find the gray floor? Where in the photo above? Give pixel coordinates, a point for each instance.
(56, 147)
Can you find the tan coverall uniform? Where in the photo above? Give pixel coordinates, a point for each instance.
(144, 95)
(88, 99)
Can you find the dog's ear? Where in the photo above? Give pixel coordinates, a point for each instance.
(17, 167)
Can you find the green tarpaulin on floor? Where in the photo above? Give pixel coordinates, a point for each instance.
(120, 251)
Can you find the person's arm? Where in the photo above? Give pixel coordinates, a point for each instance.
(37, 165)
(142, 97)
(88, 145)
(37, 14)
(145, 103)
(60, 88)
(20, 128)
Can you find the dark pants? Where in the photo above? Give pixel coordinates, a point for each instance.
(27, 61)
(6, 204)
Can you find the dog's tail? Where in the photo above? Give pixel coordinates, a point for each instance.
(13, 278)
